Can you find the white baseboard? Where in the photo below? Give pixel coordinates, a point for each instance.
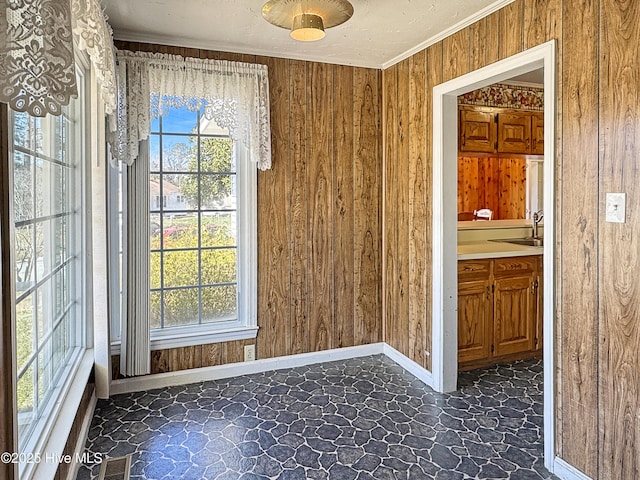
(409, 365)
(82, 438)
(567, 472)
(195, 375)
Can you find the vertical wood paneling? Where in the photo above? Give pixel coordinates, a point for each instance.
(417, 206)
(298, 206)
(434, 77)
(391, 332)
(320, 173)
(343, 212)
(273, 249)
(367, 246)
(478, 44)
(319, 209)
(619, 249)
(402, 229)
(511, 29)
(492, 42)
(580, 230)
(456, 55)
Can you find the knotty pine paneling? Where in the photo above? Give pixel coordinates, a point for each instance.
(319, 214)
(597, 303)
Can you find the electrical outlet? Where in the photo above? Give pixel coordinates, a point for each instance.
(615, 207)
(249, 353)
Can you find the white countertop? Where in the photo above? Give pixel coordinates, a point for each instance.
(489, 249)
(493, 224)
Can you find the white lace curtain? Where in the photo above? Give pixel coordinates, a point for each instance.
(37, 62)
(234, 95)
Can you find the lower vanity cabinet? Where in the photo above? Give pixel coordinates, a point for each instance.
(499, 318)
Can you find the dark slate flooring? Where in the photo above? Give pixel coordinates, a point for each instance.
(349, 420)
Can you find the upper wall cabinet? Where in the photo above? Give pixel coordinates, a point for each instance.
(477, 130)
(496, 130)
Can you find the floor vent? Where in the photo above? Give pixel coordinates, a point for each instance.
(115, 468)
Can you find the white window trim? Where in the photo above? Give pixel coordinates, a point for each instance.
(246, 325)
(60, 414)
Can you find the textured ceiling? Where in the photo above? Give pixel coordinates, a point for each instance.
(379, 33)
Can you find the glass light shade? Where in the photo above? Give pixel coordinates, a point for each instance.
(307, 27)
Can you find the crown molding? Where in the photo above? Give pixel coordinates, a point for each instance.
(494, 7)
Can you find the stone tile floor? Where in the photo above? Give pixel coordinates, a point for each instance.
(358, 419)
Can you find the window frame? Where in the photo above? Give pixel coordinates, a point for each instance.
(56, 419)
(245, 325)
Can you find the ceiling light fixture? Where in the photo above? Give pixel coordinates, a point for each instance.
(307, 19)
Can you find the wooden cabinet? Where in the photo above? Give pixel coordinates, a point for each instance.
(514, 132)
(499, 318)
(497, 130)
(477, 130)
(475, 310)
(537, 133)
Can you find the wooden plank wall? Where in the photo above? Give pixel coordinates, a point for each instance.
(597, 150)
(495, 183)
(319, 213)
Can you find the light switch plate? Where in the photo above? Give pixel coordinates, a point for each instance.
(616, 207)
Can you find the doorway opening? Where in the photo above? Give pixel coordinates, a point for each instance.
(445, 243)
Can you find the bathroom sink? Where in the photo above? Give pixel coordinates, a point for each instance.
(531, 242)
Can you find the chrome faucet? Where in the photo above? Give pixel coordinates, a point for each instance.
(537, 217)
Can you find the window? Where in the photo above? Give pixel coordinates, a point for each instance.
(49, 265)
(202, 235)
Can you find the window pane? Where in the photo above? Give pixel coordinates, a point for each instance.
(23, 177)
(180, 268)
(219, 229)
(180, 231)
(154, 152)
(217, 192)
(155, 313)
(25, 259)
(48, 260)
(173, 198)
(25, 394)
(194, 192)
(219, 303)
(179, 120)
(219, 266)
(180, 307)
(24, 331)
(179, 154)
(216, 155)
(155, 270)
(180, 192)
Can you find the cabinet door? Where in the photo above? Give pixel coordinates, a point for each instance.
(537, 133)
(477, 131)
(474, 320)
(514, 132)
(515, 306)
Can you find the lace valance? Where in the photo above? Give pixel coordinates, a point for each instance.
(37, 67)
(235, 95)
(37, 61)
(94, 36)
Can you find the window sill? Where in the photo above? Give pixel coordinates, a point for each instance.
(198, 335)
(65, 412)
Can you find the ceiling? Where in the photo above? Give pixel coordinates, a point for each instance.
(380, 33)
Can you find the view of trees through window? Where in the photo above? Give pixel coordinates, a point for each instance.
(193, 229)
(47, 246)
